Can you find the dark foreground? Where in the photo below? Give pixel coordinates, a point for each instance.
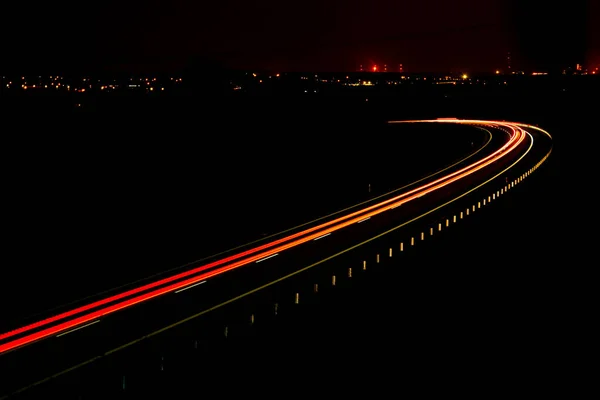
(476, 309)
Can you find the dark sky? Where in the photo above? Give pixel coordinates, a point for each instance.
(424, 35)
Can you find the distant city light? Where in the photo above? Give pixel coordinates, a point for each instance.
(155, 86)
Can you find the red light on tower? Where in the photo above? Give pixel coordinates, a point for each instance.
(374, 68)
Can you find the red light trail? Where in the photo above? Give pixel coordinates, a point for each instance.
(79, 316)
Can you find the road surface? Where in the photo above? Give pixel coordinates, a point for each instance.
(75, 336)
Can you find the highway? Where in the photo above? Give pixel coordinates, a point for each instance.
(77, 335)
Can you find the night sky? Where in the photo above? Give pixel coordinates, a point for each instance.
(326, 35)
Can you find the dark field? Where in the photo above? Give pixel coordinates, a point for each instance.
(94, 206)
(127, 193)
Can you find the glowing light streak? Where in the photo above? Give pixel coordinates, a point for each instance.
(516, 136)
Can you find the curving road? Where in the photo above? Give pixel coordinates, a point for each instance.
(99, 327)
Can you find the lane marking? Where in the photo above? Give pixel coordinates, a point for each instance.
(76, 329)
(189, 287)
(363, 220)
(321, 237)
(266, 258)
